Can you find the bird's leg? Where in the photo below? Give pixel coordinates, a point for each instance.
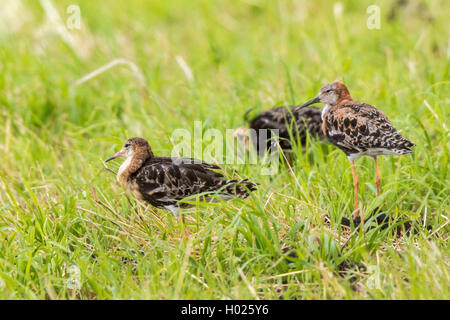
(288, 158)
(355, 187)
(183, 223)
(377, 179)
(180, 218)
(175, 211)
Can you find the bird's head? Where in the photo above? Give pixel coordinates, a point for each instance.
(134, 147)
(331, 94)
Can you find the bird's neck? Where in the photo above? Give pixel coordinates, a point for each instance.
(344, 99)
(130, 166)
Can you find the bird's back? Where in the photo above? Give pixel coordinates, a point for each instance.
(163, 181)
(290, 122)
(359, 128)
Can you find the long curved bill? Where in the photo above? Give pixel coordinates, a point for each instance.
(310, 102)
(117, 155)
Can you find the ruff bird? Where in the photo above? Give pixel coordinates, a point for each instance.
(162, 181)
(291, 122)
(358, 129)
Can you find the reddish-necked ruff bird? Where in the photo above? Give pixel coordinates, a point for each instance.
(163, 182)
(291, 122)
(358, 129)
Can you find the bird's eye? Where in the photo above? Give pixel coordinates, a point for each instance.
(126, 145)
(328, 91)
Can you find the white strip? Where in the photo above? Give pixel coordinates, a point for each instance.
(136, 72)
(325, 110)
(123, 166)
(184, 66)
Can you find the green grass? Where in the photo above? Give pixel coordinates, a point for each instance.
(60, 208)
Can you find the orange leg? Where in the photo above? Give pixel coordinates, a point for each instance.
(355, 187)
(377, 179)
(183, 222)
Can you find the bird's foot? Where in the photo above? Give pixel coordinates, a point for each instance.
(355, 214)
(186, 234)
(380, 219)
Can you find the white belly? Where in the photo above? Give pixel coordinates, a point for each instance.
(374, 152)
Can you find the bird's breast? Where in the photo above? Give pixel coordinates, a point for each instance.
(121, 174)
(325, 110)
(124, 166)
(134, 187)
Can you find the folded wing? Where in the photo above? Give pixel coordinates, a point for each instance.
(164, 181)
(359, 127)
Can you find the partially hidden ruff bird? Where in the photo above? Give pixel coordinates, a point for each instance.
(358, 129)
(291, 122)
(162, 181)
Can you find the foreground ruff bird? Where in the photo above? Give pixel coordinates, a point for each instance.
(358, 129)
(163, 182)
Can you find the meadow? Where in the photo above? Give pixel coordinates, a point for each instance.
(69, 231)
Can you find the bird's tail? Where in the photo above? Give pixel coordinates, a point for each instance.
(240, 188)
(404, 146)
(246, 118)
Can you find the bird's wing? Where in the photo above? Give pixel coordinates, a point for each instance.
(164, 180)
(308, 119)
(270, 119)
(361, 126)
(197, 164)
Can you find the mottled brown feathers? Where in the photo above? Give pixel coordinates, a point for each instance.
(292, 122)
(162, 181)
(358, 128)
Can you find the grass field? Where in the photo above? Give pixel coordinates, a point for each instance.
(68, 230)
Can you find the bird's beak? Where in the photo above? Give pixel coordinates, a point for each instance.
(117, 155)
(312, 101)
